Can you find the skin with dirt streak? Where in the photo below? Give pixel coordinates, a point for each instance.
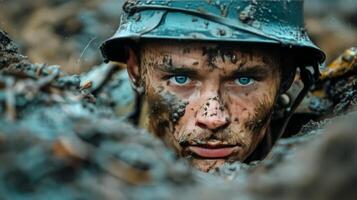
(212, 107)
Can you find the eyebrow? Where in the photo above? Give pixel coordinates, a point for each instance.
(259, 71)
(178, 70)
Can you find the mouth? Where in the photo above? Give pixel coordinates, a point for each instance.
(213, 151)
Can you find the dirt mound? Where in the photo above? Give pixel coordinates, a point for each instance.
(57, 143)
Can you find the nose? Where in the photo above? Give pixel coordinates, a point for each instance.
(212, 115)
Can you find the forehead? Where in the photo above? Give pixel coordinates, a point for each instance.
(203, 50)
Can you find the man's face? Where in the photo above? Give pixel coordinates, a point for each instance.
(210, 103)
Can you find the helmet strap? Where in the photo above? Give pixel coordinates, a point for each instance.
(308, 79)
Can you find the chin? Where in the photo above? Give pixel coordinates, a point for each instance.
(207, 165)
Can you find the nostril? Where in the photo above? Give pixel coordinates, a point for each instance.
(201, 125)
(213, 124)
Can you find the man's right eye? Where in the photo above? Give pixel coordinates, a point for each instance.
(180, 80)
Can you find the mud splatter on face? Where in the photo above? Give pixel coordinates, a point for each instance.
(220, 106)
(225, 53)
(176, 108)
(242, 113)
(161, 100)
(186, 50)
(165, 108)
(167, 61)
(260, 118)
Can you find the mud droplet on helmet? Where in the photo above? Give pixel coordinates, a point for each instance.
(247, 15)
(224, 10)
(206, 24)
(137, 17)
(221, 32)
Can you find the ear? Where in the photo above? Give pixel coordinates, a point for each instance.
(133, 67)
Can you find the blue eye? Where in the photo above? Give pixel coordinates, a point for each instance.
(244, 81)
(180, 80)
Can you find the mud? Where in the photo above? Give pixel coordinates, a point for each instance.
(226, 54)
(210, 100)
(66, 33)
(247, 14)
(168, 103)
(340, 95)
(56, 142)
(259, 121)
(9, 58)
(262, 115)
(167, 62)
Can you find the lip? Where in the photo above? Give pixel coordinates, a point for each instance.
(213, 152)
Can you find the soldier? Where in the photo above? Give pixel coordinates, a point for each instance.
(215, 73)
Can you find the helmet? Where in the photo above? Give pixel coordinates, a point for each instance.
(277, 22)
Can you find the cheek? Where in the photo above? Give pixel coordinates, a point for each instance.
(241, 107)
(187, 122)
(250, 120)
(249, 108)
(151, 81)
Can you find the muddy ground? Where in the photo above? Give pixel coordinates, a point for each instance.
(54, 137)
(61, 32)
(56, 144)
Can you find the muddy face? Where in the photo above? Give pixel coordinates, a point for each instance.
(211, 103)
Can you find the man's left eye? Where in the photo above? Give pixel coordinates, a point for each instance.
(180, 80)
(244, 81)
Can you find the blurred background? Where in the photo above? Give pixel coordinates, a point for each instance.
(69, 32)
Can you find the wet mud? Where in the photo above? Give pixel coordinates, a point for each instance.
(167, 107)
(66, 33)
(59, 143)
(61, 140)
(261, 119)
(223, 52)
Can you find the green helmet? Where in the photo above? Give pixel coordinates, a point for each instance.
(277, 22)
